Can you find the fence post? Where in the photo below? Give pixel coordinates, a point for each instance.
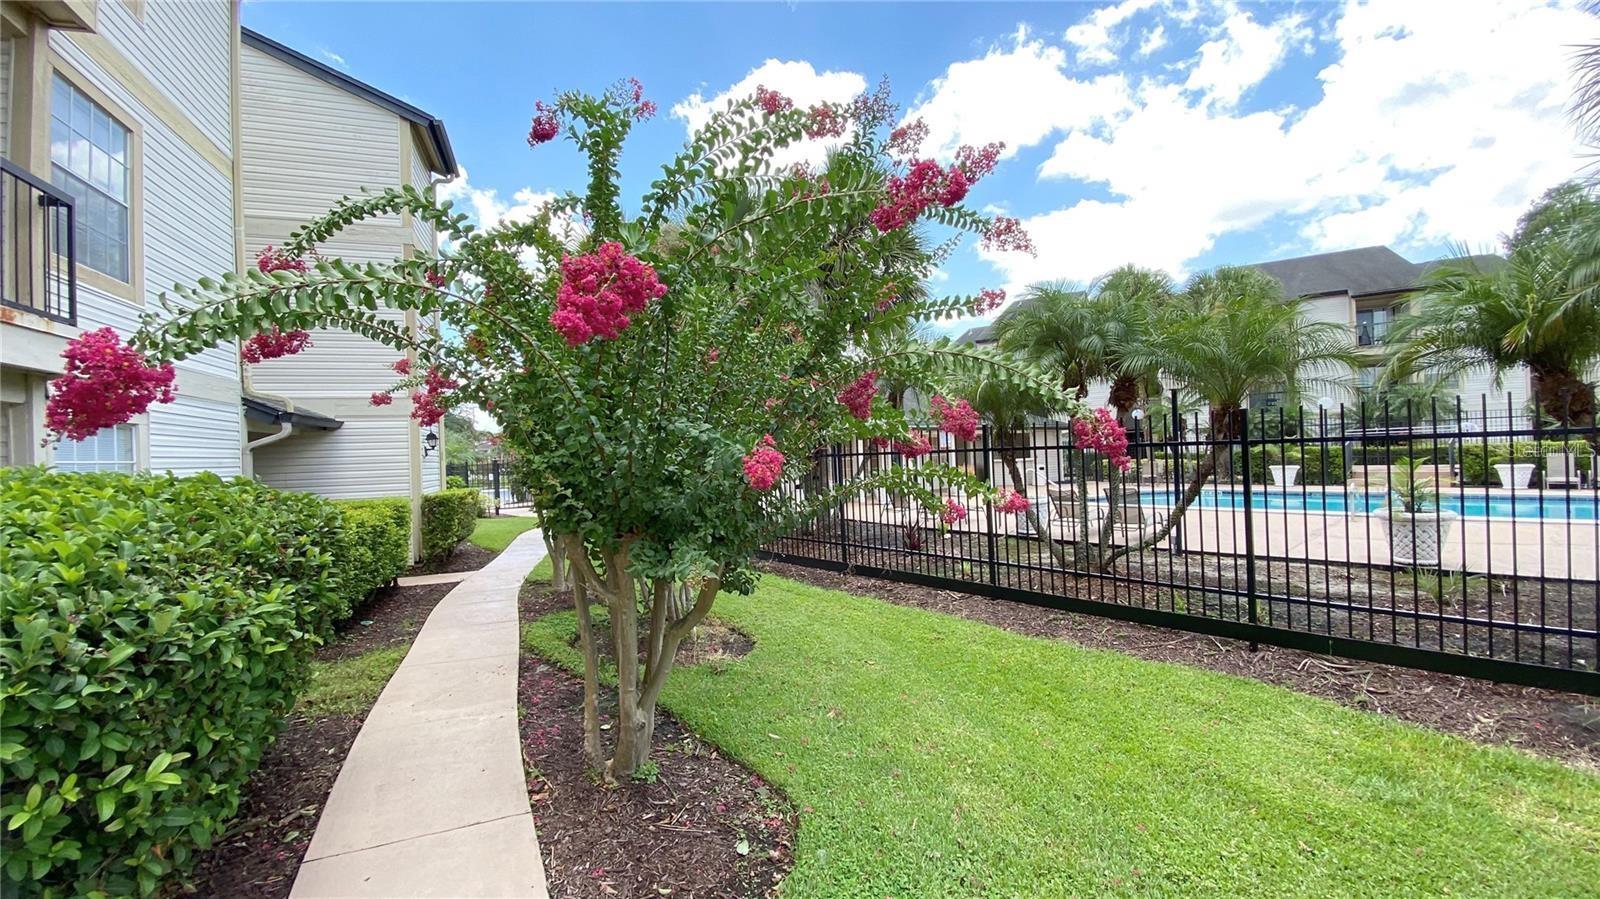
(994, 543)
(1175, 448)
(494, 478)
(1249, 521)
(844, 527)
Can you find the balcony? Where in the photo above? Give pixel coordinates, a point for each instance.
(1372, 332)
(37, 253)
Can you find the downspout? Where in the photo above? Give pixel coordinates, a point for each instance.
(285, 427)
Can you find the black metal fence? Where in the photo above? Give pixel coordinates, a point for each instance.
(1458, 540)
(493, 478)
(37, 246)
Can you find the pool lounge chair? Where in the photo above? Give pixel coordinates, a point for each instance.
(1561, 470)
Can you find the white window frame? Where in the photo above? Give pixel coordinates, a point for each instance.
(129, 465)
(84, 147)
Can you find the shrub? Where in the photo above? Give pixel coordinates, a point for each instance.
(1322, 465)
(454, 482)
(1478, 459)
(375, 547)
(448, 518)
(156, 631)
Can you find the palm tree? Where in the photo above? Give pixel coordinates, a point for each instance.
(1232, 332)
(1528, 311)
(1008, 409)
(1083, 335)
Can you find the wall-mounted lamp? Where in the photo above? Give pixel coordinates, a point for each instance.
(430, 443)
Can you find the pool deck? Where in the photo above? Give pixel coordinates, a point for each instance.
(1551, 547)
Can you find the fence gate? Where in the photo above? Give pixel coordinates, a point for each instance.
(493, 478)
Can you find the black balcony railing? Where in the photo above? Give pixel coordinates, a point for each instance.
(1373, 333)
(37, 251)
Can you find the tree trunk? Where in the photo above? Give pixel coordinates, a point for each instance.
(1124, 395)
(558, 561)
(638, 689)
(1565, 397)
(1008, 458)
(1223, 433)
(566, 546)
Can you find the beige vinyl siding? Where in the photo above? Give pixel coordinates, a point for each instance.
(364, 458)
(424, 238)
(192, 435)
(5, 96)
(185, 49)
(185, 216)
(307, 143)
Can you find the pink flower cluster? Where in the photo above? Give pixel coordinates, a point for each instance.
(402, 365)
(380, 398)
(273, 259)
(764, 465)
(273, 344)
(428, 405)
(437, 278)
(858, 396)
(598, 291)
(642, 108)
(953, 512)
(1006, 234)
(959, 418)
(545, 124)
(825, 122)
(975, 162)
(1104, 435)
(771, 101)
(907, 139)
(925, 184)
(1013, 503)
(104, 383)
(989, 299)
(915, 447)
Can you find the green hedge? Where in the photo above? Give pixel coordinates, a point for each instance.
(448, 518)
(1478, 459)
(376, 545)
(156, 631)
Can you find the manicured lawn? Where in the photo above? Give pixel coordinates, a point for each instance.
(933, 756)
(350, 686)
(495, 534)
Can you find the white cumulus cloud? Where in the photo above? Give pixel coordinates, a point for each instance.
(796, 79)
(1435, 124)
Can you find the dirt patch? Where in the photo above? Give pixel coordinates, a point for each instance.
(712, 641)
(468, 556)
(393, 615)
(1564, 726)
(700, 826)
(259, 855)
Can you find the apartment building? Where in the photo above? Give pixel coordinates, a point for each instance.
(154, 142)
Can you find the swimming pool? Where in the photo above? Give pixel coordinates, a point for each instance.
(1582, 506)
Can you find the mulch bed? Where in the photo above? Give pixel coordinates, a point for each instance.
(393, 615)
(1565, 726)
(260, 853)
(467, 557)
(703, 826)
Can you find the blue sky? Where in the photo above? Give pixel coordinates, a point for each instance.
(1169, 133)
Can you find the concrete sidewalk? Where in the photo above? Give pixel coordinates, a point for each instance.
(432, 800)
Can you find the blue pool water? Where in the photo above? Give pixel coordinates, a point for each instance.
(1583, 506)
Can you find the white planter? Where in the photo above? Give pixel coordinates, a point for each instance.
(1519, 474)
(1416, 538)
(1284, 475)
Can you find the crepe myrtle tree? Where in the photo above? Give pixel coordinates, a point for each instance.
(663, 377)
